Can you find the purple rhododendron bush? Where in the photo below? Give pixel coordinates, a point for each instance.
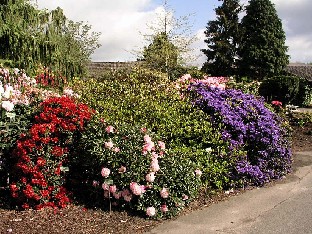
(138, 142)
(249, 125)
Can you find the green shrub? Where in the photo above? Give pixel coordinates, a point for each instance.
(245, 85)
(287, 89)
(147, 99)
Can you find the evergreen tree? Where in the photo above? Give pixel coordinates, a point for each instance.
(262, 50)
(161, 54)
(170, 43)
(222, 39)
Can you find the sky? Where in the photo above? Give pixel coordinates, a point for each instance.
(122, 24)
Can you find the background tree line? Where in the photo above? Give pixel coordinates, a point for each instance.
(253, 46)
(31, 38)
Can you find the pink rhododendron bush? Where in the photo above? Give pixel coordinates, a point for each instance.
(130, 168)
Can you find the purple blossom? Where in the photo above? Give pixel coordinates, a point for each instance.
(250, 126)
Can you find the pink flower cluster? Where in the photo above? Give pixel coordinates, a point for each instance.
(151, 149)
(18, 88)
(218, 82)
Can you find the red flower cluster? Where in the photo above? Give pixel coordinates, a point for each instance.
(47, 78)
(42, 152)
(277, 103)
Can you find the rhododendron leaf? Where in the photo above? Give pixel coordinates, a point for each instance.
(64, 169)
(108, 181)
(10, 115)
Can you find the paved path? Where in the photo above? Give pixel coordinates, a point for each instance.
(285, 208)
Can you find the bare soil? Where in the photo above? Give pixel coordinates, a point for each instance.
(78, 219)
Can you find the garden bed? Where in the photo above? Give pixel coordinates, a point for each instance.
(77, 219)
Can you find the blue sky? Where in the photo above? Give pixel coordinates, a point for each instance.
(123, 22)
(203, 10)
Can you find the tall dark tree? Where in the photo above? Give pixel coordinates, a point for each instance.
(262, 50)
(222, 39)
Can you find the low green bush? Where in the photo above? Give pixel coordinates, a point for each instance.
(286, 89)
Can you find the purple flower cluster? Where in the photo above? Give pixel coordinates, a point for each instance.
(250, 126)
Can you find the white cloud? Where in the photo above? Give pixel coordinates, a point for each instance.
(297, 23)
(300, 48)
(120, 23)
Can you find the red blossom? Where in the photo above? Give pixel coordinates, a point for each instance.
(277, 103)
(50, 135)
(41, 162)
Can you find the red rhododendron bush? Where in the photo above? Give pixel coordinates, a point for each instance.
(42, 153)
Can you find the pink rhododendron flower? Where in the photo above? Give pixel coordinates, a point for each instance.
(116, 150)
(161, 145)
(109, 129)
(277, 103)
(150, 177)
(143, 130)
(105, 172)
(164, 208)
(164, 193)
(113, 188)
(154, 155)
(122, 169)
(147, 139)
(128, 198)
(149, 146)
(95, 183)
(136, 188)
(150, 211)
(198, 172)
(184, 197)
(143, 188)
(68, 92)
(117, 195)
(109, 144)
(125, 192)
(7, 105)
(105, 186)
(155, 166)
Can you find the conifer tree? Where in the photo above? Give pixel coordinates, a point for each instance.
(161, 54)
(170, 43)
(222, 39)
(262, 50)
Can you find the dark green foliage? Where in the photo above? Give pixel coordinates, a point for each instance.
(222, 39)
(32, 37)
(286, 89)
(262, 50)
